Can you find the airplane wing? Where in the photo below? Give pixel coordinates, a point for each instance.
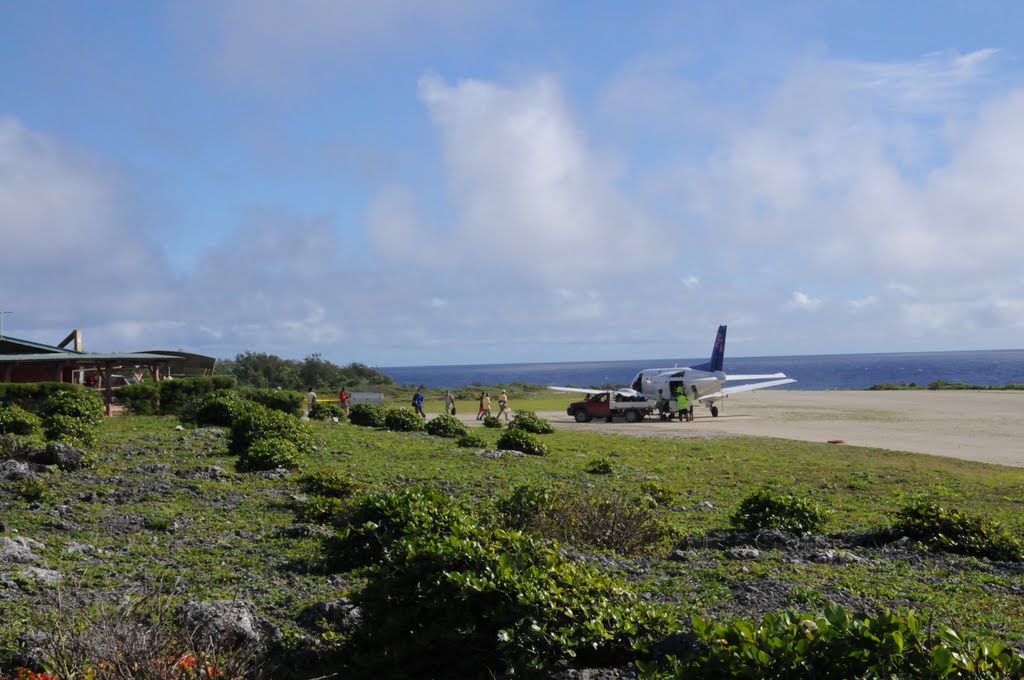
(579, 390)
(726, 391)
(763, 376)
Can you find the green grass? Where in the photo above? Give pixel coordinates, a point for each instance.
(221, 538)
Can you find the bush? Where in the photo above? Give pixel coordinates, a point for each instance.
(492, 421)
(657, 495)
(835, 645)
(521, 509)
(141, 399)
(599, 466)
(321, 509)
(72, 417)
(471, 440)
(269, 454)
(260, 422)
(583, 520)
(445, 425)
(494, 603)
(31, 396)
(514, 439)
(401, 420)
(329, 483)
(531, 422)
(366, 415)
(321, 411)
(765, 509)
(373, 525)
(286, 401)
(220, 409)
(16, 420)
(30, 490)
(176, 394)
(956, 532)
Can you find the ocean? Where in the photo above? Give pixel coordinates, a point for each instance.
(819, 372)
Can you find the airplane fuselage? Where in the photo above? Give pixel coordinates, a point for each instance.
(655, 382)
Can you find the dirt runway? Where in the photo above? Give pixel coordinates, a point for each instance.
(985, 426)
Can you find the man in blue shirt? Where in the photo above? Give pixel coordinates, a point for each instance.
(417, 402)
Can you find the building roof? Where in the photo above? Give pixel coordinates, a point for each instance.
(34, 345)
(86, 357)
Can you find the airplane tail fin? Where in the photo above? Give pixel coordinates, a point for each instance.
(717, 353)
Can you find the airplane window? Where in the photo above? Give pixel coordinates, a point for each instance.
(638, 383)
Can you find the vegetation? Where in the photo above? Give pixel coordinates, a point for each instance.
(72, 417)
(402, 420)
(957, 532)
(256, 369)
(17, 421)
(367, 415)
(943, 385)
(767, 509)
(512, 563)
(531, 422)
(324, 411)
(445, 425)
(514, 439)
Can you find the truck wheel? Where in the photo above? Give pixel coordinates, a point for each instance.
(581, 416)
(632, 416)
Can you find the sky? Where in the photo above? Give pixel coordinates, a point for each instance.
(414, 182)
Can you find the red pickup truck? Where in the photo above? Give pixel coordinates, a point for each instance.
(608, 405)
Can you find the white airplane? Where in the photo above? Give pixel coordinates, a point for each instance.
(703, 384)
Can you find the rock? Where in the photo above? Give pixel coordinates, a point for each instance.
(14, 470)
(32, 650)
(47, 576)
(679, 644)
(207, 432)
(835, 557)
(743, 553)
(179, 428)
(340, 615)
(205, 472)
(232, 622)
(19, 550)
(64, 456)
(493, 455)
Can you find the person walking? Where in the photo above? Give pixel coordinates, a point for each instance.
(503, 405)
(343, 400)
(449, 403)
(480, 413)
(310, 399)
(417, 402)
(683, 403)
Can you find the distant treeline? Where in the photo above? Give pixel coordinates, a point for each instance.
(256, 369)
(944, 385)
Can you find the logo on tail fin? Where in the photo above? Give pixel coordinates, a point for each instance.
(717, 353)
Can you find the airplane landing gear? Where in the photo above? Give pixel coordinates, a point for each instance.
(714, 411)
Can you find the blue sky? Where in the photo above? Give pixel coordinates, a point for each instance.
(407, 182)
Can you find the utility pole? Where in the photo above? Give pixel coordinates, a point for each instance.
(2, 315)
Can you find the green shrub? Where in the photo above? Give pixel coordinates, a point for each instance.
(329, 483)
(286, 401)
(956, 532)
(141, 399)
(30, 490)
(836, 645)
(599, 466)
(495, 603)
(366, 415)
(492, 422)
(31, 396)
(260, 422)
(322, 411)
(220, 409)
(269, 454)
(321, 509)
(657, 495)
(521, 509)
(377, 521)
(72, 417)
(16, 420)
(583, 519)
(515, 439)
(471, 440)
(766, 509)
(445, 425)
(175, 395)
(531, 422)
(401, 420)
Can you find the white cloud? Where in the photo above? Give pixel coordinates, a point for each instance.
(528, 194)
(862, 303)
(805, 301)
